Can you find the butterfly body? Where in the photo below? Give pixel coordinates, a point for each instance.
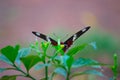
(67, 43)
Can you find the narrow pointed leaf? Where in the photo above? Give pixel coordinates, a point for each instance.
(64, 59)
(8, 77)
(61, 71)
(75, 49)
(51, 76)
(69, 62)
(80, 62)
(91, 72)
(30, 61)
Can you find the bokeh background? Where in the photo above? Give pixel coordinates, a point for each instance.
(18, 18)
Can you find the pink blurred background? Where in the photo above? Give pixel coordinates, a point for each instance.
(18, 18)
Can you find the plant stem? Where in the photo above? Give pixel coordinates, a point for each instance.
(46, 72)
(46, 67)
(115, 67)
(68, 74)
(26, 74)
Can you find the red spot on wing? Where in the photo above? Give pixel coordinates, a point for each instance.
(54, 43)
(69, 43)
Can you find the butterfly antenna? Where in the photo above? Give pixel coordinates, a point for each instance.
(64, 36)
(55, 35)
(59, 38)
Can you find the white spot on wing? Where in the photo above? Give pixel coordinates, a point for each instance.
(83, 30)
(38, 34)
(74, 37)
(48, 39)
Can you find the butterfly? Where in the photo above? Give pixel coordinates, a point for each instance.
(67, 43)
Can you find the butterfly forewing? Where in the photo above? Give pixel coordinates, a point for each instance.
(70, 40)
(46, 38)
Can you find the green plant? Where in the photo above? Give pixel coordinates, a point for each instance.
(114, 67)
(38, 57)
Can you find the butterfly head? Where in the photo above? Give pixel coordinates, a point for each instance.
(62, 44)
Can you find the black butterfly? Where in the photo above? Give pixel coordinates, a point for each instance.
(67, 43)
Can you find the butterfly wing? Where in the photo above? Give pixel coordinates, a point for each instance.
(70, 41)
(44, 37)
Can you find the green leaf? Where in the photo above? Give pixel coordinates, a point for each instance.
(43, 79)
(45, 45)
(52, 75)
(10, 52)
(93, 44)
(35, 46)
(30, 61)
(40, 66)
(2, 70)
(69, 62)
(115, 67)
(60, 71)
(80, 62)
(59, 49)
(56, 60)
(49, 78)
(92, 72)
(4, 59)
(8, 77)
(75, 49)
(64, 60)
(22, 53)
